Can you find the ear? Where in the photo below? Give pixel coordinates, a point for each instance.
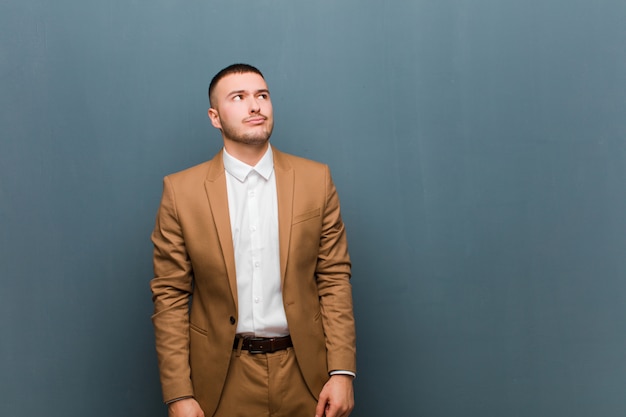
(215, 118)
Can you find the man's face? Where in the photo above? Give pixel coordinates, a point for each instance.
(242, 109)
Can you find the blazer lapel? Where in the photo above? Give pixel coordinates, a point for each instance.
(215, 186)
(284, 190)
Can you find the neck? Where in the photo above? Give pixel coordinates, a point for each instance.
(249, 154)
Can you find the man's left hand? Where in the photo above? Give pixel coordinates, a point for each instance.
(336, 398)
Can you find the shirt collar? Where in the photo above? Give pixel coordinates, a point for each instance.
(241, 170)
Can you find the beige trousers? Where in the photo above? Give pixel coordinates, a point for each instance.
(265, 385)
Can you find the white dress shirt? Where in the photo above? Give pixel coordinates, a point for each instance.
(253, 209)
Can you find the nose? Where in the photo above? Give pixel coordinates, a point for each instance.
(254, 105)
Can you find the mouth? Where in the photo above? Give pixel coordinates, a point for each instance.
(255, 120)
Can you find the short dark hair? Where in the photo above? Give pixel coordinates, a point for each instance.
(231, 69)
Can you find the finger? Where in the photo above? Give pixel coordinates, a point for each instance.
(321, 407)
(332, 410)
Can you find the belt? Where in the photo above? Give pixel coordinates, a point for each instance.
(263, 344)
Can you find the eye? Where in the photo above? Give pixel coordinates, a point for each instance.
(237, 97)
(263, 96)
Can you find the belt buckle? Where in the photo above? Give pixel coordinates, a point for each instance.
(262, 348)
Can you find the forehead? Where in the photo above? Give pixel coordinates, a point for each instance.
(247, 81)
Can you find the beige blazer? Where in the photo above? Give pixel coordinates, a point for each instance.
(194, 256)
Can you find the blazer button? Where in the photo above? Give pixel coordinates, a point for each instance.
(232, 320)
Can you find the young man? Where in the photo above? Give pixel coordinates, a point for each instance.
(252, 298)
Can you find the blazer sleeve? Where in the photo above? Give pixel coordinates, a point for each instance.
(334, 288)
(171, 289)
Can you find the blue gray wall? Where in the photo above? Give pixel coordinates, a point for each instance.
(479, 148)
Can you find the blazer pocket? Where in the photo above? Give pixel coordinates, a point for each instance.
(307, 215)
(197, 329)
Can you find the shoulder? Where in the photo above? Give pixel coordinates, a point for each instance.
(286, 161)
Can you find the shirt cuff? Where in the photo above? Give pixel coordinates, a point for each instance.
(178, 399)
(340, 372)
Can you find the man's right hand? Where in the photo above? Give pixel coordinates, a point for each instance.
(187, 407)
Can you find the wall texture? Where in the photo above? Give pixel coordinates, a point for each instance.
(479, 148)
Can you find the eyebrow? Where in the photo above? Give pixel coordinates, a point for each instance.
(263, 90)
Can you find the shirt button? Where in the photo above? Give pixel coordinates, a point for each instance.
(257, 264)
(256, 300)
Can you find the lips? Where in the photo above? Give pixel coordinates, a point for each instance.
(255, 120)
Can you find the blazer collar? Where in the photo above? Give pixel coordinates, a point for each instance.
(285, 191)
(215, 187)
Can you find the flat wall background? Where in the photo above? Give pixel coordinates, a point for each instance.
(479, 149)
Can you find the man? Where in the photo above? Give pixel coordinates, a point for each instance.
(252, 298)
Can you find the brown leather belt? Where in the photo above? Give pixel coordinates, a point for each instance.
(263, 344)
